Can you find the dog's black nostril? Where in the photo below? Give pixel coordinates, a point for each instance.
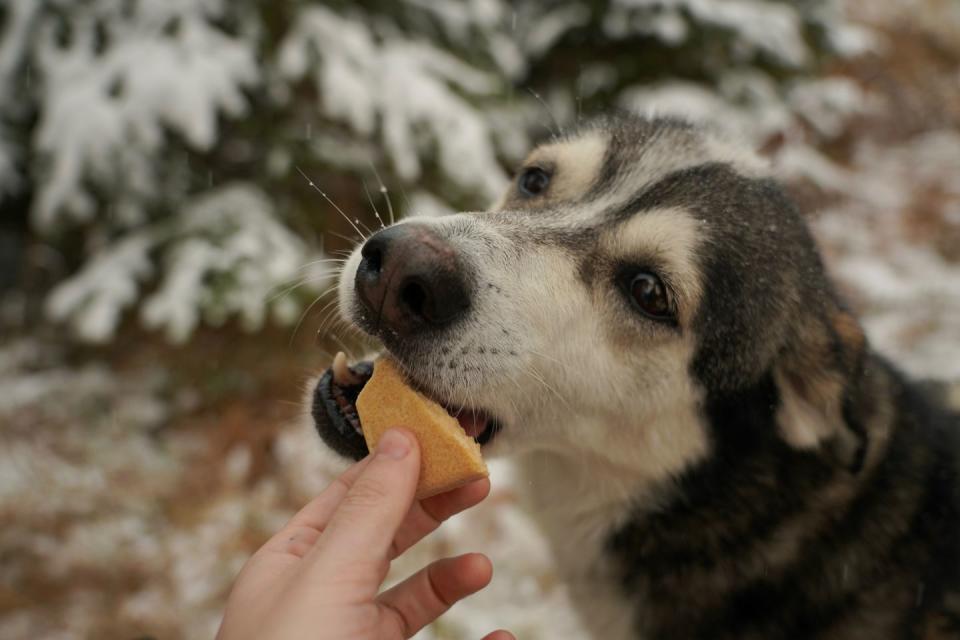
(372, 258)
(414, 295)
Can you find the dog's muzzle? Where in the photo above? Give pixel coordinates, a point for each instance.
(411, 287)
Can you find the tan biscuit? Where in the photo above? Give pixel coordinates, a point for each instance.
(448, 457)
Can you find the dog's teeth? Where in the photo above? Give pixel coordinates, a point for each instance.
(340, 370)
(342, 375)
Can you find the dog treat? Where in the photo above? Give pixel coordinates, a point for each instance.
(449, 458)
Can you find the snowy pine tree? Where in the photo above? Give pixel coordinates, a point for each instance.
(158, 145)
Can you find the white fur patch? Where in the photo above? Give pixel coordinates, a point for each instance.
(577, 506)
(801, 424)
(577, 164)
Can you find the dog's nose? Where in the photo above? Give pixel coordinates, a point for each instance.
(409, 279)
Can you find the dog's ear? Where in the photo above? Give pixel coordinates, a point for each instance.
(818, 376)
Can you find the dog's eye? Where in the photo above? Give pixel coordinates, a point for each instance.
(533, 181)
(649, 295)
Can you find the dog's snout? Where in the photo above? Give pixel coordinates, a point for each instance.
(409, 279)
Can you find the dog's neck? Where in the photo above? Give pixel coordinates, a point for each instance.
(615, 532)
(578, 500)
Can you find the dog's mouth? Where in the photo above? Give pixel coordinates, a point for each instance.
(336, 418)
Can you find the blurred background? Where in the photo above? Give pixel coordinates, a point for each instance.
(178, 179)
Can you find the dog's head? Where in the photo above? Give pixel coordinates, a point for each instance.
(634, 270)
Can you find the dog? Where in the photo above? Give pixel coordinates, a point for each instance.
(644, 323)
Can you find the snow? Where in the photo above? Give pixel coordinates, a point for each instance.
(908, 295)
(104, 113)
(224, 254)
(773, 29)
(828, 103)
(397, 87)
(227, 255)
(551, 25)
(747, 105)
(93, 300)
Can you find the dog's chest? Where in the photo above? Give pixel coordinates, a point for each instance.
(578, 510)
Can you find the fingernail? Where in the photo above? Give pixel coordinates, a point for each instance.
(394, 444)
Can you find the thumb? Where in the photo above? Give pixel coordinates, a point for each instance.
(364, 525)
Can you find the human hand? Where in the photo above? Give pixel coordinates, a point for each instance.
(319, 577)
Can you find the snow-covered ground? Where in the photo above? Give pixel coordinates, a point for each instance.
(126, 528)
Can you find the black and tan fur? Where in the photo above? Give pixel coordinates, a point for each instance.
(752, 470)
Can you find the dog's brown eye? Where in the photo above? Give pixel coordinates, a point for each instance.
(533, 181)
(650, 296)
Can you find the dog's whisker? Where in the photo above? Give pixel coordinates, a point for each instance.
(287, 289)
(298, 282)
(328, 199)
(538, 380)
(511, 400)
(325, 353)
(314, 263)
(328, 323)
(353, 241)
(304, 315)
(383, 190)
(563, 365)
(536, 375)
(347, 350)
(331, 309)
(336, 323)
(559, 130)
(302, 280)
(369, 230)
(471, 401)
(370, 200)
(328, 291)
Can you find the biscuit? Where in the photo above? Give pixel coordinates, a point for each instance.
(449, 458)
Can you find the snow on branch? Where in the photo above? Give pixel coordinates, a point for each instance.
(93, 300)
(224, 254)
(228, 254)
(106, 108)
(772, 28)
(405, 89)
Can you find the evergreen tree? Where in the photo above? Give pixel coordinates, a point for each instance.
(182, 155)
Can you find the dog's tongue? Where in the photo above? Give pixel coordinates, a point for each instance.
(471, 422)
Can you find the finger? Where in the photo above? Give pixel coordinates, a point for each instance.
(500, 634)
(364, 524)
(426, 515)
(300, 534)
(302, 530)
(318, 511)
(424, 596)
